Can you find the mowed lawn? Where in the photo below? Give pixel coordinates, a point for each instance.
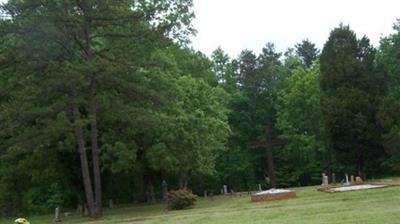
(311, 206)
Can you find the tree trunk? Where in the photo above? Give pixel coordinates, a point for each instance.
(95, 149)
(87, 182)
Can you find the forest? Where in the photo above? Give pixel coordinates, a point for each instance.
(105, 100)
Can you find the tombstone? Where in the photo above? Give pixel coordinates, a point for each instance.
(79, 209)
(222, 190)
(359, 181)
(57, 215)
(323, 175)
(111, 204)
(352, 179)
(225, 189)
(85, 211)
(333, 178)
(347, 183)
(164, 185)
(259, 187)
(325, 184)
(205, 194)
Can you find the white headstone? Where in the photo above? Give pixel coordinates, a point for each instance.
(347, 180)
(259, 187)
(325, 182)
(225, 189)
(57, 215)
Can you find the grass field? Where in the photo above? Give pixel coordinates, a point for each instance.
(378, 206)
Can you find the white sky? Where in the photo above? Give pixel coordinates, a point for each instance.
(249, 24)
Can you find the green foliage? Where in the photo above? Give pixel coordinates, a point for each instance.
(307, 52)
(351, 94)
(180, 199)
(300, 121)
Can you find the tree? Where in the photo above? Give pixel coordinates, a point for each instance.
(79, 49)
(192, 132)
(351, 91)
(307, 51)
(300, 121)
(225, 70)
(388, 62)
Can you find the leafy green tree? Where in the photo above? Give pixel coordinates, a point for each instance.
(351, 92)
(193, 131)
(388, 62)
(82, 50)
(225, 70)
(299, 119)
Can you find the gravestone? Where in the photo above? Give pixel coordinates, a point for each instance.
(164, 185)
(79, 209)
(57, 215)
(325, 185)
(352, 179)
(205, 194)
(323, 175)
(347, 183)
(259, 187)
(225, 189)
(333, 178)
(359, 181)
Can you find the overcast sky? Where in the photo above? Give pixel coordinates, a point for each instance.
(249, 24)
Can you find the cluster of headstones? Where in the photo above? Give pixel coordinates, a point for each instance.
(325, 180)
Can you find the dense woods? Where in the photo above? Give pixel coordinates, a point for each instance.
(105, 100)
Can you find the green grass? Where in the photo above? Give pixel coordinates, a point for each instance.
(311, 206)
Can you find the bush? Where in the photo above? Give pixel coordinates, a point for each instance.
(180, 199)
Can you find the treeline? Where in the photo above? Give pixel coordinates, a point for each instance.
(104, 100)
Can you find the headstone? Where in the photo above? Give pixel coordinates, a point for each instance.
(111, 204)
(352, 179)
(333, 178)
(323, 175)
(205, 194)
(222, 190)
(259, 187)
(325, 185)
(225, 189)
(347, 183)
(57, 215)
(359, 181)
(85, 211)
(164, 185)
(79, 209)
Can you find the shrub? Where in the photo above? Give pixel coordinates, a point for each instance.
(180, 199)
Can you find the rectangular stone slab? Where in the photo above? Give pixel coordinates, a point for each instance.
(273, 194)
(357, 187)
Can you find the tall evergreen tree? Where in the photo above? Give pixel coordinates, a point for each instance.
(351, 91)
(307, 51)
